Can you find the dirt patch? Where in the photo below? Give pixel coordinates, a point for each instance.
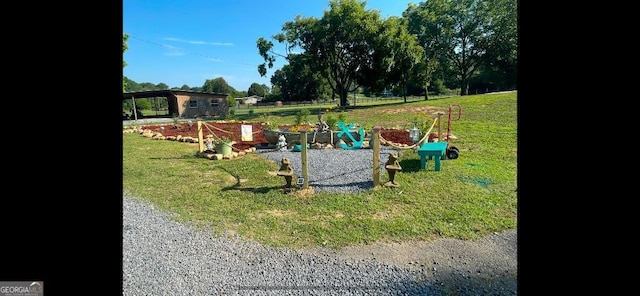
(431, 110)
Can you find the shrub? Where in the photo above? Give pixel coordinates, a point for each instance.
(331, 121)
(438, 86)
(342, 116)
(302, 116)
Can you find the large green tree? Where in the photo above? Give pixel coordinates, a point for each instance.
(217, 85)
(421, 23)
(403, 53)
(125, 37)
(297, 80)
(340, 45)
(458, 30)
(500, 65)
(258, 90)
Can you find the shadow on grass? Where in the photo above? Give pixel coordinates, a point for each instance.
(410, 165)
(187, 156)
(236, 185)
(264, 189)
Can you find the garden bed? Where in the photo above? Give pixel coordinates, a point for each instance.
(233, 130)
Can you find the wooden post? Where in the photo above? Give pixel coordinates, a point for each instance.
(135, 114)
(376, 156)
(331, 136)
(200, 138)
(439, 126)
(305, 168)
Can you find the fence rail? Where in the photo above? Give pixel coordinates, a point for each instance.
(352, 102)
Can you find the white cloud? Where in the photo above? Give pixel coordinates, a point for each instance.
(197, 42)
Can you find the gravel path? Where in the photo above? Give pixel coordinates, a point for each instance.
(163, 257)
(335, 170)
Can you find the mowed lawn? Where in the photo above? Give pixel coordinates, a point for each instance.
(471, 196)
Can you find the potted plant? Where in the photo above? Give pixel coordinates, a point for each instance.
(223, 145)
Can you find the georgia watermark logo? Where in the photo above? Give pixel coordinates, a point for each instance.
(24, 288)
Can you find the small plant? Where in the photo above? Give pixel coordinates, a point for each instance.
(251, 112)
(298, 127)
(423, 122)
(302, 116)
(331, 121)
(221, 141)
(270, 126)
(342, 116)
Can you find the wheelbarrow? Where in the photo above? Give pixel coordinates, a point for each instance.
(452, 152)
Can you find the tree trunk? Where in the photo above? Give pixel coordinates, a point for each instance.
(426, 91)
(343, 98)
(464, 87)
(404, 91)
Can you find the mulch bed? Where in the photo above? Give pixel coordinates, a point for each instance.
(233, 130)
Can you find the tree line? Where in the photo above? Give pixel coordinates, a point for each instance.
(435, 46)
(216, 85)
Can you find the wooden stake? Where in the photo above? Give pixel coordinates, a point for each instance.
(376, 156)
(200, 138)
(305, 168)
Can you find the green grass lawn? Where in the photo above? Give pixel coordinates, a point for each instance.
(472, 196)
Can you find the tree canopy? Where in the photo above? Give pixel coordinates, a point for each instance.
(216, 85)
(445, 40)
(124, 64)
(258, 90)
(339, 46)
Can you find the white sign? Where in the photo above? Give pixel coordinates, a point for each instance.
(247, 134)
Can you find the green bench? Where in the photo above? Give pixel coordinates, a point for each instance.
(431, 150)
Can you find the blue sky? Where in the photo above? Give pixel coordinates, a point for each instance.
(189, 41)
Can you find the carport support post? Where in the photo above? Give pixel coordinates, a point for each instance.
(200, 138)
(376, 156)
(135, 114)
(305, 168)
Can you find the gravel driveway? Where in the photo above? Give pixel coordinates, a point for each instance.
(163, 257)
